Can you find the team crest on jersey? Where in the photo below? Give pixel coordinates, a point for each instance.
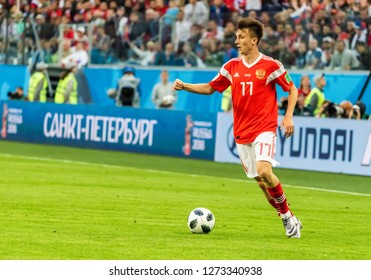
(260, 74)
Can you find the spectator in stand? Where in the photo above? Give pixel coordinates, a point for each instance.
(196, 35)
(128, 4)
(171, 13)
(363, 55)
(153, 24)
(265, 47)
(146, 56)
(316, 97)
(352, 34)
(314, 57)
(340, 34)
(168, 20)
(359, 35)
(302, 36)
(79, 55)
(137, 28)
(229, 51)
(266, 19)
(284, 55)
(368, 34)
(251, 5)
(280, 30)
(100, 37)
(214, 56)
(121, 29)
(205, 48)
(66, 48)
(182, 30)
(196, 12)
(103, 55)
(290, 37)
(328, 49)
(110, 25)
(213, 31)
(316, 33)
(343, 58)
(327, 33)
(364, 16)
(166, 57)
(80, 36)
(44, 29)
(161, 7)
(230, 32)
(219, 12)
(188, 57)
(271, 35)
(163, 96)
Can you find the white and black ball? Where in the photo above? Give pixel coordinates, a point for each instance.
(201, 220)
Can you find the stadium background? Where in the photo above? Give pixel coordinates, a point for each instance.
(61, 202)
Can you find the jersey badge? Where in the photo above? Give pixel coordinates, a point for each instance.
(260, 74)
(288, 78)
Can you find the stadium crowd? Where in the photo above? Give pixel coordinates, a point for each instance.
(302, 34)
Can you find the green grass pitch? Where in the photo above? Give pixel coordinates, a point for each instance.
(65, 203)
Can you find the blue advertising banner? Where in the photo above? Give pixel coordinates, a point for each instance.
(165, 132)
(328, 145)
(340, 85)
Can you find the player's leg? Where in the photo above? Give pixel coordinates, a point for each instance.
(246, 153)
(264, 146)
(263, 186)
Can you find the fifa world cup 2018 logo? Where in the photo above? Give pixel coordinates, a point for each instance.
(5, 120)
(188, 135)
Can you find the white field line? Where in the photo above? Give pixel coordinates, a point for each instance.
(45, 159)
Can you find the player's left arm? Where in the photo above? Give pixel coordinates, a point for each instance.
(287, 122)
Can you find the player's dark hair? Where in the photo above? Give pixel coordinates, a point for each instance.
(255, 27)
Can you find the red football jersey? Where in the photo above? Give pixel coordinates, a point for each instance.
(254, 94)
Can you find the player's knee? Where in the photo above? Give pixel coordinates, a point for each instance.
(264, 172)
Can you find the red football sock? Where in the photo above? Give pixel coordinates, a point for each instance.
(274, 205)
(279, 198)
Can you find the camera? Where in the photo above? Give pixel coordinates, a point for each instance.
(16, 95)
(333, 110)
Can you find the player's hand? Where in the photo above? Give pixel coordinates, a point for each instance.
(178, 85)
(288, 125)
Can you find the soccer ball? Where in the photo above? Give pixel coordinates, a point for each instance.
(168, 99)
(201, 220)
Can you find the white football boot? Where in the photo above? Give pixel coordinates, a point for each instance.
(292, 225)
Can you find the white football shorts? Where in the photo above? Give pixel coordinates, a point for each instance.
(262, 149)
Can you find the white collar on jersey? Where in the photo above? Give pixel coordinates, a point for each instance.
(252, 64)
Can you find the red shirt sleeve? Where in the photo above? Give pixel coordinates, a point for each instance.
(221, 81)
(284, 81)
(281, 77)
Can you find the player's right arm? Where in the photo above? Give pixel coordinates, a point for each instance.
(205, 89)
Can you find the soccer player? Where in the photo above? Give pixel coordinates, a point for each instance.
(253, 77)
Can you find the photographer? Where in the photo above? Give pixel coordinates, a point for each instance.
(127, 92)
(17, 94)
(343, 111)
(359, 111)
